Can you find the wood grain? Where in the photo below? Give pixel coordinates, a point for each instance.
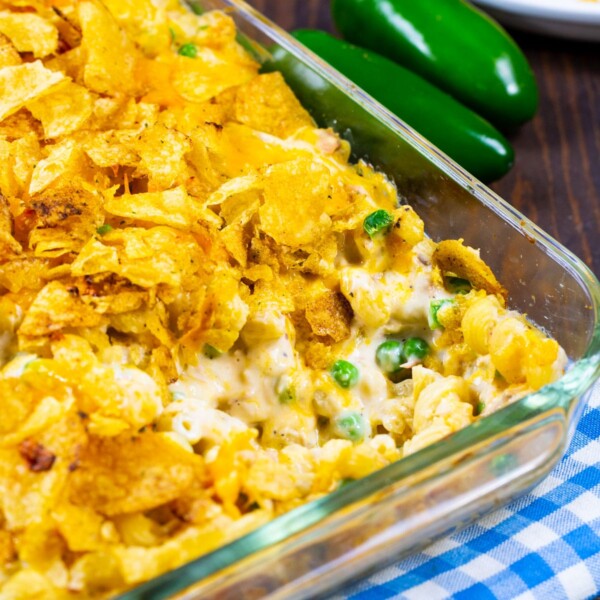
(556, 177)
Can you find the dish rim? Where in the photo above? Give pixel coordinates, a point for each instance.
(557, 396)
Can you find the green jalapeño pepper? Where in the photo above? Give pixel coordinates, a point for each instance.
(463, 135)
(451, 44)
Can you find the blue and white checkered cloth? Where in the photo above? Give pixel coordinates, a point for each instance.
(546, 545)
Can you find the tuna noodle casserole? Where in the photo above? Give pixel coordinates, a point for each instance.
(207, 315)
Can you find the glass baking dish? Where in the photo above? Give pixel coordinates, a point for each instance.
(405, 506)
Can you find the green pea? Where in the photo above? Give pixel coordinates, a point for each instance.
(351, 426)
(344, 373)
(104, 229)
(479, 408)
(434, 308)
(415, 348)
(189, 50)
(389, 356)
(377, 222)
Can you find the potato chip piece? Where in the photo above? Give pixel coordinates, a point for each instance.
(79, 526)
(100, 425)
(41, 548)
(33, 493)
(126, 474)
(222, 315)
(236, 240)
(71, 62)
(24, 154)
(267, 103)
(20, 124)
(145, 22)
(52, 243)
(452, 256)
(29, 32)
(240, 208)
(9, 246)
(8, 183)
(57, 272)
(291, 189)
(406, 232)
(106, 112)
(114, 397)
(18, 400)
(147, 257)
(26, 584)
(71, 207)
(172, 207)
(108, 148)
(55, 308)
(210, 73)
(138, 530)
(234, 187)
(9, 57)
(110, 294)
(162, 152)
(270, 479)
(23, 273)
(111, 56)
(22, 83)
(144, 322)
(11, 312)
(96, 257)
(139, 564)
(330, 314)
(64, 157)
(188, 117)
(7, 547)
(213, 28)
(122, 114)
(6, 218)
(64, 110)
(95, 573)
(258, 272)
(46, 413)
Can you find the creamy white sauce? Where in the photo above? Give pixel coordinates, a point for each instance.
(269, 386)
(246, 384)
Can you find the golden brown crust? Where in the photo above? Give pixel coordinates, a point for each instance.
(330, 314)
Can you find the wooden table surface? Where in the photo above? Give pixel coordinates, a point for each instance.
(556, 177)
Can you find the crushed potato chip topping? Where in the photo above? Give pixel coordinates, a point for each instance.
(198, 330)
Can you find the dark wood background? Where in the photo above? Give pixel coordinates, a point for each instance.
(556, 177)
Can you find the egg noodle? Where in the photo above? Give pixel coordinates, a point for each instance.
(207, 315)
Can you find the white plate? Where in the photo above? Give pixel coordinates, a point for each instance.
(576, 19)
